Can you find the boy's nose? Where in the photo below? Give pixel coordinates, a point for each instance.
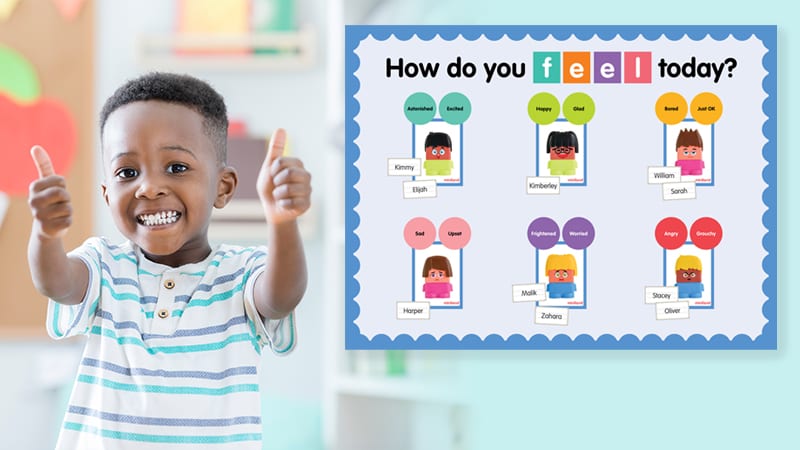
(150, 188)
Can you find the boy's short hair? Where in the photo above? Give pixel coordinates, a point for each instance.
(185, 90)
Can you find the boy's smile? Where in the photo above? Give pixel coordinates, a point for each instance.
(162, 178)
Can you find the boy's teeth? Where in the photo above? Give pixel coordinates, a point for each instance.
(159, 218)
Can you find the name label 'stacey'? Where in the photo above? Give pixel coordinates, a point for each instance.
(528, 293)
(543, 185)
(660, 294)
(413, 310)
(551, 316)
(419, 189)
(409, 167)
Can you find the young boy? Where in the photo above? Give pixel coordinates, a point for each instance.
(175, 327)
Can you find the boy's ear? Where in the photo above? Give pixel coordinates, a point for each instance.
(226, 186)
(105, 193)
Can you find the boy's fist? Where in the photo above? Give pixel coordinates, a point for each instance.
(48, 198)
(284, 185)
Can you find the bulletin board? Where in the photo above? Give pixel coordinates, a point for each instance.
(46, 97)
(553, 187)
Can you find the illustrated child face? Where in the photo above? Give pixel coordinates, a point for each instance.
(562, 152)
(690, 152)
(561, 276)
(688, 276)
(437, 152)
(162, 178)
(437, 276)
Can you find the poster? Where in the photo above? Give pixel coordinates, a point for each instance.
(554, 187)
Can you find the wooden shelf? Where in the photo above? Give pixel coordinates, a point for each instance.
(290, 50)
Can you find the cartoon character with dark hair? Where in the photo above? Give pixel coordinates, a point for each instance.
(562, 147)
(437, 154)
(437, 273)
(689, 147)
(688, 276)
(561, 271)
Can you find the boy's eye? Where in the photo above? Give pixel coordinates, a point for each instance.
(127, 173)
(177, 168)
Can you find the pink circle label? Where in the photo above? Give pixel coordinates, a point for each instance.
(419, 233)
(671, 233)
(454, 233)
(706, 233)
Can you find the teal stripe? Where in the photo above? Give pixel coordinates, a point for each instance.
(165, 439)
(124, 256)
(192, 303)
(176, 313)
(117, 295)
(155, 389)
(56, 315)
(122, 340)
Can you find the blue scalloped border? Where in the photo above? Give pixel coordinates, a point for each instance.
(354, 34)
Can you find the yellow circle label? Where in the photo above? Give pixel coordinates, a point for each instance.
(706, 108)
(671, 108)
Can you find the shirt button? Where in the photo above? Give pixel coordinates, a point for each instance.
(163, 313)
(169, 284)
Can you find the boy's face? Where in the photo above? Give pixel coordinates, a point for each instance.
(437, 152)
(688, 276)
(690, 152)
(162, 179)
(561, 276)
(563, 152)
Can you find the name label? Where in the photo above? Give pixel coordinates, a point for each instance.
(672, 310)
(551, 316)
(413, 310)
(404, 167)
(679, 191)
(543, 185)
(419, 189)
(528, 293)
(664, 174)
(660, 294)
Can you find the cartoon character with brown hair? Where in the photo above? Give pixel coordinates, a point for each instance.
(437, 273)
(689, 147)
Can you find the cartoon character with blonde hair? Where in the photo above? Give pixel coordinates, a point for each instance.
(688, 276)
(561, 271)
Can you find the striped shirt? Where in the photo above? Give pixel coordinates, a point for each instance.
(172, 354)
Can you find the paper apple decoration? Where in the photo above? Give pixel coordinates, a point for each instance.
(45, 122)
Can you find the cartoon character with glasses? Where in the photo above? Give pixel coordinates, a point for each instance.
(562, 147)
(437, 154)
(561, 271)
(689, 147)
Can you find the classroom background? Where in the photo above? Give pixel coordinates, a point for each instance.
(286, 69)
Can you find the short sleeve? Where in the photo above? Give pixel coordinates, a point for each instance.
(280, 335)
(65, 321)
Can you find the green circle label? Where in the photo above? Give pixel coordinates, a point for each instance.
(578, 108)
(543, 108)
(419, 108)
(455, 108)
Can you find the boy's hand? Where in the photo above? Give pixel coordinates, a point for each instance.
(284, 185)
(48, 198)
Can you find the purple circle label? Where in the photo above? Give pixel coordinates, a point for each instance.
(543, 233)
(578, 233)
